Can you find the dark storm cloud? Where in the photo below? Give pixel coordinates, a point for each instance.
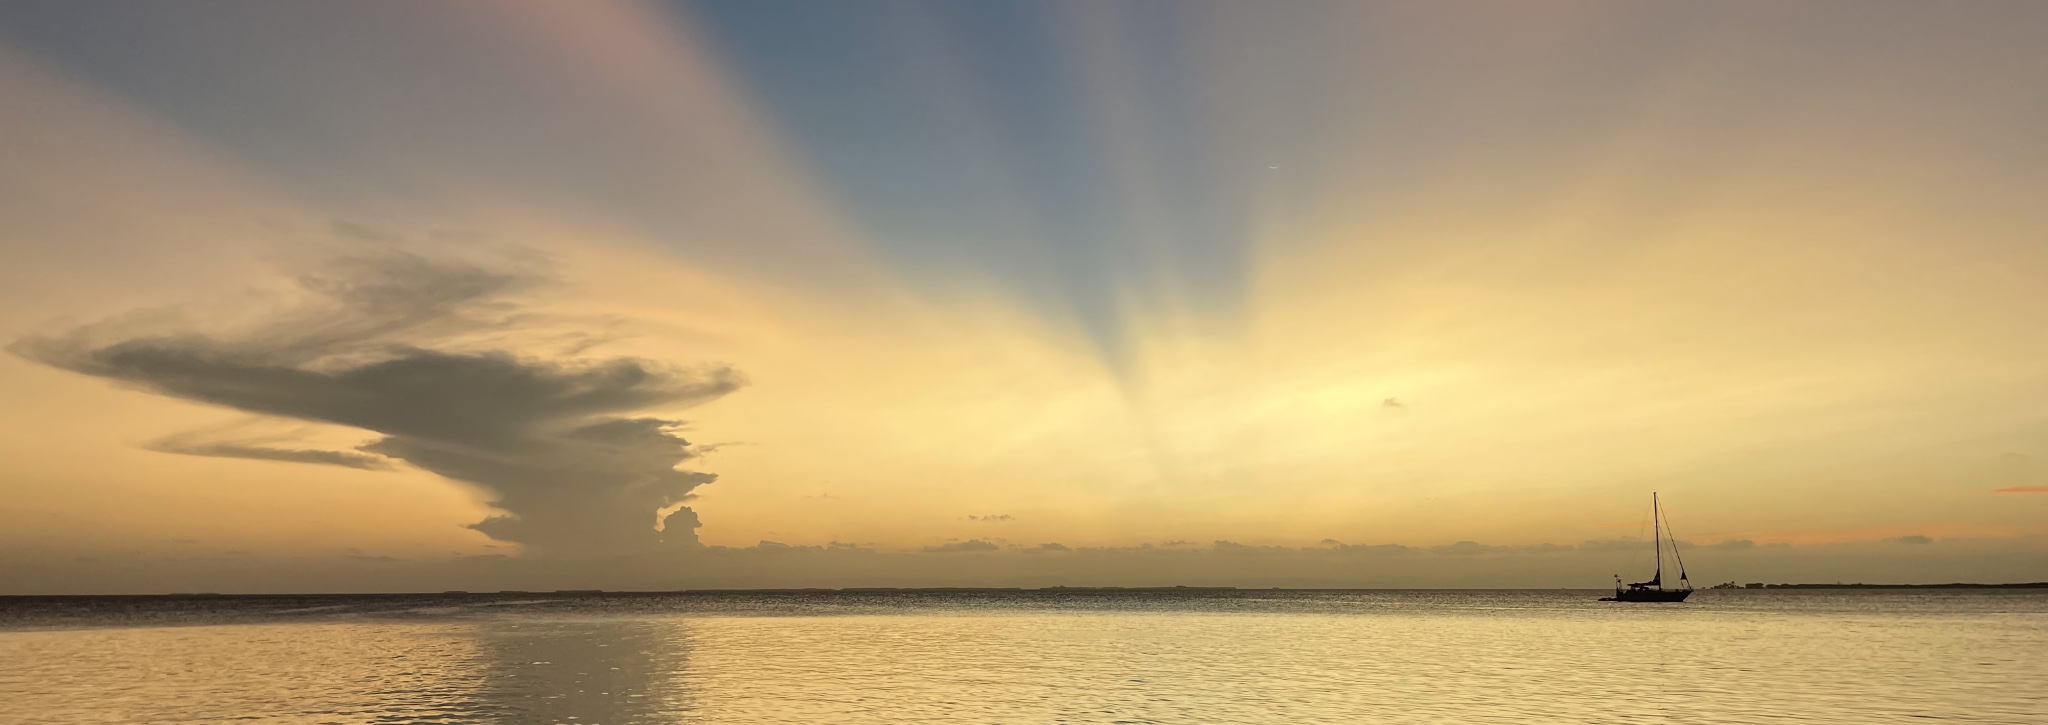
(385, 342)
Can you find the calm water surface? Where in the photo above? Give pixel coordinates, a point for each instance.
(1194, 657)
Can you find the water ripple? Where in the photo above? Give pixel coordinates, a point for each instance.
(1383, 657)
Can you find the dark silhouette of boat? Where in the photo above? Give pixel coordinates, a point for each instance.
(1653, 590)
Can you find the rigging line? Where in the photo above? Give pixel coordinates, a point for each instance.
(1674, 549)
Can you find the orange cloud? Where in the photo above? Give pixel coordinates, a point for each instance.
(2021, 489)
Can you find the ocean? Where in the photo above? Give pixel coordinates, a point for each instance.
(1194, 656)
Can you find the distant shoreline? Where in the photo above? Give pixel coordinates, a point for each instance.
(952, 590)
(2021, 585)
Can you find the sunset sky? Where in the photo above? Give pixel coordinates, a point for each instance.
(376, 296)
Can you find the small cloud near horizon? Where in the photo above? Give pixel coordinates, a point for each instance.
(2021, 489)
(962, 546)
(1914, 539)
(1731, 545)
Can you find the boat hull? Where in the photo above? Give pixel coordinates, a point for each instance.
(1649, 595)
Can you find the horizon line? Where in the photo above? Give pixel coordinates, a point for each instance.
(1055, 589)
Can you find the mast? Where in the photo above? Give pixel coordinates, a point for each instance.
(1657, 535)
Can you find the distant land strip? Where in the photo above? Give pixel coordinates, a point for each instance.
(2020, 585)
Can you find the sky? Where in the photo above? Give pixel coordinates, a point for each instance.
(425, 296)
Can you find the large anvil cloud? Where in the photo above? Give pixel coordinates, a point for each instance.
(562, 445)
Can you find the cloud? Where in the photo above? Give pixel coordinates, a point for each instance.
(288, 455)
(1341, 547)
(2022, 489)
(765, 546)
(1224, 546)
(1392, 403)
(1465, 548)
(260, 449)
(1910, 539)
(960, 546)
(386, 341)
(1623, 544)
(1051, 546)
(990, 517)
(358, 230)
(1731, 545)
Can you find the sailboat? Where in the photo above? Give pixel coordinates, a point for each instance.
(1653, 590)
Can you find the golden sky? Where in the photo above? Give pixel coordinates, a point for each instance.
(1019, 292)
